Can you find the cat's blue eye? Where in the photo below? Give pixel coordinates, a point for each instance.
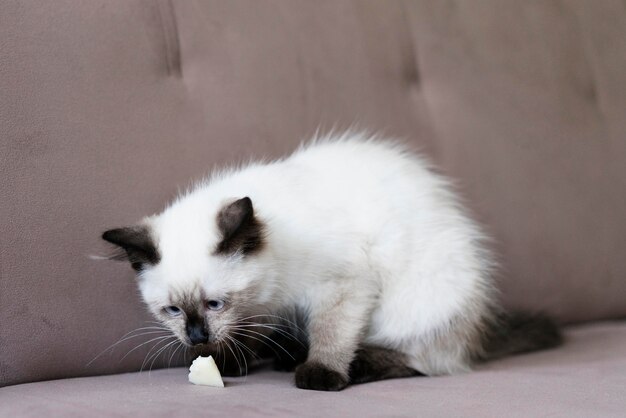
(215, 304)
(172, 310)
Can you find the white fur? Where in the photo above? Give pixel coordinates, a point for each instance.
(360, 233)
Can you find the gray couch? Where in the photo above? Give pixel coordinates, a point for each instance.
(108, 107)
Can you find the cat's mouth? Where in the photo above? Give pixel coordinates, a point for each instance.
(209, 341)
(209, 348)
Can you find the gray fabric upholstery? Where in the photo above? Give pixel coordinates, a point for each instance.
(108, 107)
(585, 378)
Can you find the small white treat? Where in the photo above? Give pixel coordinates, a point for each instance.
(203, 371)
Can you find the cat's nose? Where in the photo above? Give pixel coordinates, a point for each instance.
(197, 334)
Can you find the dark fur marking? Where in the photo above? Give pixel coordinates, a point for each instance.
(375, 363)
(295, 344)
(298, 351)
(316, 376)
(519, 332)
(241, 230)
(136, 241)
(291, 335)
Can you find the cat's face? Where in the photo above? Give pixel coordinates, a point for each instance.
(199, 275)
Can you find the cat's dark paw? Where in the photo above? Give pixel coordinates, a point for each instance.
(315, 376)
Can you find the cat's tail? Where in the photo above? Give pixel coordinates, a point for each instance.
(519, 332)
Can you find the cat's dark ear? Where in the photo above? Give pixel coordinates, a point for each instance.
(240, 229)
(135, 244)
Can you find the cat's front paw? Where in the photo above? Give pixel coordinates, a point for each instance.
(316, 376)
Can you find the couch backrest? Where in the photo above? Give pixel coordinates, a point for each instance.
(106, 108)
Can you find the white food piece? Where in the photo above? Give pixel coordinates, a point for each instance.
(203, 371)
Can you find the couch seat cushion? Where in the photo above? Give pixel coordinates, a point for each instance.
(586, 377)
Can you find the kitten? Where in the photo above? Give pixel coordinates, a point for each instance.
(355, 236)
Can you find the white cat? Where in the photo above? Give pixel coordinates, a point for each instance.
(356, 237)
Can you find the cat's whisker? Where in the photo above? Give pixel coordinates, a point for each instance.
(169, 350)
(264, 336)
(219, 353)
(178, 347)
(166, 348)
(260, 334)
(288, 321)
(270, 326)
(177, 352)
(146, 342)
(269, 315)
(148, 355)
(252, 353)
(127, 337)
(172, 353)
(286, 335)
(243, 356)
(159, 352)
(257, 339)
(231, 350)
(283, 328)
(243, 345)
